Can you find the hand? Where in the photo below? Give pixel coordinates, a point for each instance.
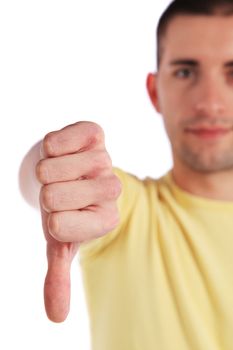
(78, 203)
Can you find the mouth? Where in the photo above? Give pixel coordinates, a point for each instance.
(208, 133)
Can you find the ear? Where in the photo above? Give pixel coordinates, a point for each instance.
(151, 84)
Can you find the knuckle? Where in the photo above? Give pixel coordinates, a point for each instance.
(97, 132)
(48, 143)
(42, 171)
(47, 198)
(103, 160)
(113, 187)
(106, 160)
(96, 128)
(111, 220)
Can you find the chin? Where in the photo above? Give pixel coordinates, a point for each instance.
(210, 167)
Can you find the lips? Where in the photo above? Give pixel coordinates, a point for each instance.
(205, 132)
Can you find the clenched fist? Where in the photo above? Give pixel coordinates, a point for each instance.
(78, 203)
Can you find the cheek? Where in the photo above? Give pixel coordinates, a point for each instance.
(174, 97)
(170, 126)
(170, 108)
(173, 111)
(173, 127)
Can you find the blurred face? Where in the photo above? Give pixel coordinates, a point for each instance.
(193, 90)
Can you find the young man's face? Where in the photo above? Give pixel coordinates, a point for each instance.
(193, 90)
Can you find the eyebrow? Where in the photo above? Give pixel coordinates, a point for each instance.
(194, 63)
(186, 62)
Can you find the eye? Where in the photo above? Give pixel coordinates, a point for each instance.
(183, 73)
(230, 74)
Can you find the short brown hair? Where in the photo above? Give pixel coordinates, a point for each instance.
(189, 7)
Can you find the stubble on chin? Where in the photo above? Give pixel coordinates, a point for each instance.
(205, 161)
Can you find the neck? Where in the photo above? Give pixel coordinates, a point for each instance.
(216, 185)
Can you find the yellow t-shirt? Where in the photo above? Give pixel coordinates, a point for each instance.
(163, 279)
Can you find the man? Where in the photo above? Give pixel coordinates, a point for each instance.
(160, 274)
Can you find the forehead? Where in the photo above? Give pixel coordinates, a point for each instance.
(200, 37)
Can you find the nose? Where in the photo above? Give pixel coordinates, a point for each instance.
(210, 100)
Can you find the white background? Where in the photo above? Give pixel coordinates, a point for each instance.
(60, 62)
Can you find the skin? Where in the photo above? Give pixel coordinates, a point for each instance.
(79, 189)
(78, 203)
(196, 102)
